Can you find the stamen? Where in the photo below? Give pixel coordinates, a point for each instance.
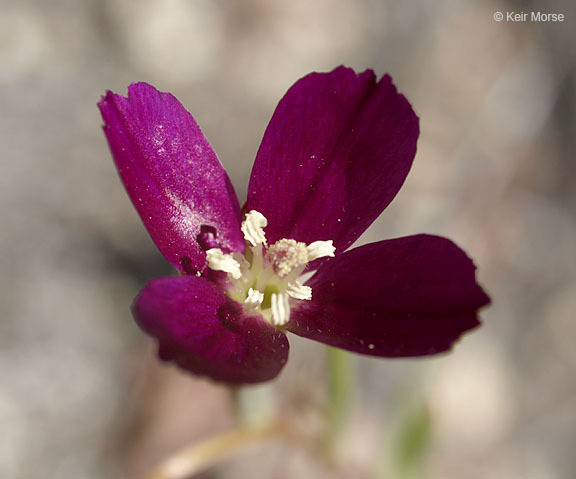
(297, 290)
(320, 249)
(286, 255)
(280, 309)
(218, 261)
(254, 298)
(266, 279)
(253, 228)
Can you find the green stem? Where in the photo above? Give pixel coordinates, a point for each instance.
(408, 435)
(253, 404)
(340, 373)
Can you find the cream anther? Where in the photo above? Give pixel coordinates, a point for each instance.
(320, 249)
(297, 290)
(266, 279)
(287, 255)
(254, 298)
(253, 228)
(218, 261)
(280, 309)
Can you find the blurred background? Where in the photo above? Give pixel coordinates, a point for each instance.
(82, 395)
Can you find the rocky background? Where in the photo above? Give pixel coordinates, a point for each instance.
(81, 393)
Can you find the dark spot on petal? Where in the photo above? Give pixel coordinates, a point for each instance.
(230, 315)
(207, 237)
(186, 264)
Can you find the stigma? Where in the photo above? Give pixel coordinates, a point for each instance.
(266, 279)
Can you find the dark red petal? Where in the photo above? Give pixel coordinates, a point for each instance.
(409, 296)
(334, 155)
(203, 331)
(171, 173)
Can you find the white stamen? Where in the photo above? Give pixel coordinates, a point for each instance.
(218, 261)
(297, 290)
(320, 249)
(253, 228)
(254, 298)
(280, 309)
(279, 268)
(287, 255)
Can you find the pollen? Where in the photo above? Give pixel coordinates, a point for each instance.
(287, 255)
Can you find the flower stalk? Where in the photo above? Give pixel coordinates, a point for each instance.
(253, 404)
(341, 382)
(199, 457)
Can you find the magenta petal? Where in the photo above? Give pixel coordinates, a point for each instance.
(204, 332)
(409, 296)
(334, 155)
(171, 173)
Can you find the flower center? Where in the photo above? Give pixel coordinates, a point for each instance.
(266, 279)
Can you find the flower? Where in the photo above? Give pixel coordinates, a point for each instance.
(337, 150)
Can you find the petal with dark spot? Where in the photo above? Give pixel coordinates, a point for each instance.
(171, 173)
(206, 333)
